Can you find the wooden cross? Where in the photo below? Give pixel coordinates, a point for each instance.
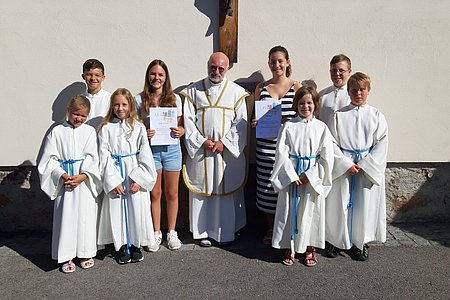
(228, 28)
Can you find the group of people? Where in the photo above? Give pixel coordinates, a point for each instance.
(320, 182)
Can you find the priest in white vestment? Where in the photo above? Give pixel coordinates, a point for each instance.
(215, 118)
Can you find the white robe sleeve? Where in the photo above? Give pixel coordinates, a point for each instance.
(235, 139)
(374, 163)
(194, 139)
(284, 172)
(341, 162)
(320, 175)
(144, 173)
(90, 165)
(49, 168)
(110, 174)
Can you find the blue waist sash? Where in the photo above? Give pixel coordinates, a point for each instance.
(67, 165)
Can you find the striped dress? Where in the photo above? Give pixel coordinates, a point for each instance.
(266, 198)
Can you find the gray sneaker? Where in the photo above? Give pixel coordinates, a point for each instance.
(155, 247)
(173, 242)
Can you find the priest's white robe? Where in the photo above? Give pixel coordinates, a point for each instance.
(215, 181)
(116, 138)
(300, 137)
(75, 210)
(364, 129)
(332, 99)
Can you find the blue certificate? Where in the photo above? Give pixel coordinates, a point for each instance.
(268, 114)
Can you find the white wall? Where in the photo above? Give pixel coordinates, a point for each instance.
(403, 45)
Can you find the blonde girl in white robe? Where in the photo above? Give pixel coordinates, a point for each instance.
(128, 173)
(69, 175)
(356, 205)
(302, 176)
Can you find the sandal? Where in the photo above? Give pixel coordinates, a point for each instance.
(311, 258)
(68, 267)
(87, 263)
(288, 258)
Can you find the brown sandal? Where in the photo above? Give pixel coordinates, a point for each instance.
(311, 258)
(288, 258)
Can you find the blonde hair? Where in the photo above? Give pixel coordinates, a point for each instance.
(78, 102)
(359, 79)
(132, 116)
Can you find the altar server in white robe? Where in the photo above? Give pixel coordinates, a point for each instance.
(302, 177)
(215, 118)
(356, 205)
(335, 96)
(70, 176)
(129, 174)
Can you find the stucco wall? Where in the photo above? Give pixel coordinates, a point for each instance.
(404, 45)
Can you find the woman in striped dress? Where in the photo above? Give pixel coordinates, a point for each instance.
(279, 87)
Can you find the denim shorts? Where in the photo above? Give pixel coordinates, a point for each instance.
(167, 157)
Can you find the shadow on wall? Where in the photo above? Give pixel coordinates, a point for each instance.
(211, 10)
(418, 198)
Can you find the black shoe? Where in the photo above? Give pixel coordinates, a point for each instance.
(331, 251)
(123, 255)
(361, 255)
(136, 254)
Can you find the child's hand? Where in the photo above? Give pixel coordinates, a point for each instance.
(353, 170)
(65, 177)
(150, 133)
(118, 190)
(177, 131)
(76, 180)
(303, 178)
(134, 187)
(254, 122)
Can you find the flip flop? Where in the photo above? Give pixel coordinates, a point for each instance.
(68, 267)
(87, 263)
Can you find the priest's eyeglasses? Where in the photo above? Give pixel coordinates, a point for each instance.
(338, 71)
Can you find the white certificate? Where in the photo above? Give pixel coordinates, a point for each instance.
(268, 114)
(161, 120)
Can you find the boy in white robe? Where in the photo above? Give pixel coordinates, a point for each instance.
(128, 174)
(356, 205)
(94, 75)
(69, 175)
(302, 176)
(335, 96)
(215, 119)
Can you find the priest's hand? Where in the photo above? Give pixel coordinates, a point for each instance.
(353, 170)
(218, 147)
(208, 144)
(118, 190)
(134, 187)
(150, 133)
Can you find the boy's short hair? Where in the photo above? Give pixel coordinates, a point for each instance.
(93, 63)
(78, 102)
(359, 79)
(305, 90)
(341, 57)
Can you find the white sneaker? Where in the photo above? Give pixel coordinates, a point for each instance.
(155, 247)
(173, 242)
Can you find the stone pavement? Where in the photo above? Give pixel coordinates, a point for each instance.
(413, 264)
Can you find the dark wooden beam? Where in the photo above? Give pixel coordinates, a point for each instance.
(228, 28)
